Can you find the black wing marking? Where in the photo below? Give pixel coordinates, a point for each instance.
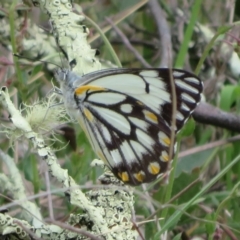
(129, 121)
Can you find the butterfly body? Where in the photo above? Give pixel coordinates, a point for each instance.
(127, 115)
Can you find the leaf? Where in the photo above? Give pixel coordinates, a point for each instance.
(178, 236)
(189, 163)
(188, 128)
(183, 181)
(229, 95)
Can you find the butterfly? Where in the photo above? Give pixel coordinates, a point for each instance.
(127, 115)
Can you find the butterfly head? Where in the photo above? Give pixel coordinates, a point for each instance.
(66, 80)
(65, 77)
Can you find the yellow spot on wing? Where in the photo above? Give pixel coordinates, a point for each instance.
(140, 176)
(124, 176)
(164, 157)
(154, 168)
(151, 116)
(83, 89)
(164, 139)
(88, 114)
(167, 141)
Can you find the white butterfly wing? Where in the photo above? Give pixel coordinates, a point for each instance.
(127, 116)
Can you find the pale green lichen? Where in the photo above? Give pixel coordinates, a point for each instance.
(43, 116)
(14, 185)
(71, 36)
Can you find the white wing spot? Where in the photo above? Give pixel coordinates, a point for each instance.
(106, 134)
(180, 116)
(145, 139)
(126, 108)
(128, 152)
(154, 101)
(164, 139)
(156, 82)
(186, 86)
(166, 123)
(117, 120)
(164, 156)
(117, 159)
(149, 73)
(185, 107)
(150, 116)
(154, 168)
(139, 123)
(188, 98)
(106, 98)
(139, 149)
(192, 79)
(177, 74)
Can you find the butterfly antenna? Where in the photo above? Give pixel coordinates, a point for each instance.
(31, 59)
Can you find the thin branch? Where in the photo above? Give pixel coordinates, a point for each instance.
(149, 44)
(128, 44)
(77, 230)
(208, 114)
(163, 31)
(208, 146)
(49, 196)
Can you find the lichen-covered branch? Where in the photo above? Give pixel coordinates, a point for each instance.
(14, 185)
(77, 198)
(71, 35)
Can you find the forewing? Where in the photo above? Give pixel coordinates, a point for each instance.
(127, 116)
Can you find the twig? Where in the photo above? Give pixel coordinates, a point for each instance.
(49, 196)
(149, 44)
(165, 45)
(208, 146)
(128, 44)
(77, 230)
(208, 114)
